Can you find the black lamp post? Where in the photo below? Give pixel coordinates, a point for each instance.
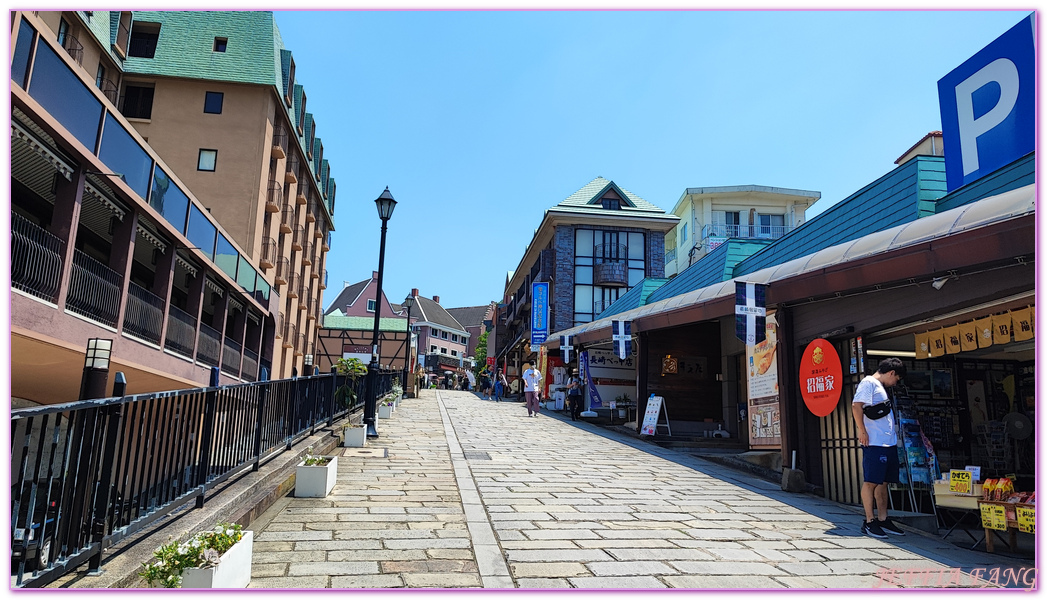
(385, 204)
(408, 302)
(96, 368)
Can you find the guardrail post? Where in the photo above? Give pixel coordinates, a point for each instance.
(206, 439)
(263, 395)
(292, 401)
(103, 498)
(330, 394)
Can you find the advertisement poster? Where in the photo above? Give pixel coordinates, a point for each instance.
(539, 313)
(762, 378)
(650, 416)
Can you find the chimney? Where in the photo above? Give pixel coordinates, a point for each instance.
(436, 299)
(414, 292)
(374, 274)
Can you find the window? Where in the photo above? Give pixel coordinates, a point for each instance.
(683, 232)
(454, 338)
(63, 31)
(370, 305)
(443, 335)
(207, 160)
(432, 348)
(138, 101)
(443, 350)
(301, 115)
(772, 226)
(99, 75)
(144, 37)
(23, 49)
(213, 102)
(220, 44)
(454, 353)
(290, 85)
(611, 203)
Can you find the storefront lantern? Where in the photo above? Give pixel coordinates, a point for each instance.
(821, 377)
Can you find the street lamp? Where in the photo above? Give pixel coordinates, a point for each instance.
(385, 204)
(408, 302)
(96, 368)
(307, 362)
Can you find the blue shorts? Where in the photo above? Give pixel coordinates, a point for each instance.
(880, 464)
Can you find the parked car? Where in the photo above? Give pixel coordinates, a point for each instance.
(33, 535)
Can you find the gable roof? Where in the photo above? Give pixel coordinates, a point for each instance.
(347, 297)
(431, 312)
(587, 199)
(470, 316)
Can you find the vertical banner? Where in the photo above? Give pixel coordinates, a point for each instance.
(594, 396)
(621, 334)
(543, 368)
(539, 312)
(750, 313)
(764, 398)
(566, 348)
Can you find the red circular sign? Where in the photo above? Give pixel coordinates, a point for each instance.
(821, 377)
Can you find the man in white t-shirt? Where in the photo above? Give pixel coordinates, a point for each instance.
(532, 389)
(878, 436)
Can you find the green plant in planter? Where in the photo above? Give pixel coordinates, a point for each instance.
(311, 460)
(353, 369)
(624, 398)
(201, 551)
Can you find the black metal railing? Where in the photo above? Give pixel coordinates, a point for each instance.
(144, 314)
(274, 197)
(611, 253)
(208, 345)
(269, 255)
(249, 370)
(115, 466)
(36, 259)
(280, 140)
(94, 290)
(231, 358)
(181, 332)
(109, 90)
(74, 48)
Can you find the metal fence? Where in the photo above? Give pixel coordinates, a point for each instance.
(94, 290)
(87, 474)
(144, 313)
(36, 259)
(181, 332)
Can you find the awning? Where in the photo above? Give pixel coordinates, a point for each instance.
(718, 299)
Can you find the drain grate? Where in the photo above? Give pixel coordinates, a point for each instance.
(477, 455)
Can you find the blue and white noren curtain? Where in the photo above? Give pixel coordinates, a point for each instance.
(566, 348)
(621, 334)
(750, 312)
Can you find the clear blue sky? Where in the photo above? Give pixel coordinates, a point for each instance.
(479, 121)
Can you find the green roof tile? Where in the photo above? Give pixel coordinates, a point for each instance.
(332, 321)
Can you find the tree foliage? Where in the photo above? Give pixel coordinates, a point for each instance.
(480, 354)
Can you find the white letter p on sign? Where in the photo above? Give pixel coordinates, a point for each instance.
(1004, 73)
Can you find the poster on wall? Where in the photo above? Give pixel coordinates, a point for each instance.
(762, 379)
(609, 376)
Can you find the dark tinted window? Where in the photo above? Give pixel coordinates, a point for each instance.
(213, 102)
(23, 52)
(220, 44)
(144, 37)
(225, 256)
(261, 290)
(138, 102)
(169, 200)
(62, 94)
(246, 275)
(201, 232)
(122, 154)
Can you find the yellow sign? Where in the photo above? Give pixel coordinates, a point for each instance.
(1026, 518)
(994, 516)
(960, 482)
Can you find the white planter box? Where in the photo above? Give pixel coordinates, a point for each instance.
(385, 412)
(317, 481)
(354, 437)
(233, 570)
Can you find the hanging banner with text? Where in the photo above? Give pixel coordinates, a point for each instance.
(749, 312)
(539, 312)
(764, 400)
(595, 401)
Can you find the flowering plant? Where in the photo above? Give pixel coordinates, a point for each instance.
(312, 460)
(203, 551)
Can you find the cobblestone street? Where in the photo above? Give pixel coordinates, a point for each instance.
(462, 492)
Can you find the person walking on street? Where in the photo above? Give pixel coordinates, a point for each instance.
(532, 380)
(874, 417)
(499, 386)
(574, 394)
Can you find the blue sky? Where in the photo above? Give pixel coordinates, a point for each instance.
(479, 121)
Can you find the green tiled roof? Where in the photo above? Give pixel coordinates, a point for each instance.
(333, 321)
(638, 296)
(103, 25)
(714, 267)
(584, 198)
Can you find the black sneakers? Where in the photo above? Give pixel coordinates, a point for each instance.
(889, 526)
(873, 529)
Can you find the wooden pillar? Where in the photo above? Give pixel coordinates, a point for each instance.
(121, 257)
(642, 376)
(65, 221)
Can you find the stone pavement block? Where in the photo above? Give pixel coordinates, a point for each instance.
(286, 526)
(458, 530)
(707, 544)
(448, 553)
(805, 568)
(367, 555)
(863, 542)
(534, 583)
(356, 533)
(919, 564)
(427, 544)
(497, 582)
(272, 546)
(363, 544)
(798, 583)
(663, 516)
(516, 556)
(560, 534)
(549, 569)
(332, 568)
(569, 525)
(520, 516)
(811, 544)
(642, 534)
(502, 525)
(897, 554)
(644, 581)
(288, 557)
(767, 545)
(635, 567)
(429, 566)
(626, 543)
(713, 567)
(514, 535)
(726, 535)
(740, 555)
(311, 582)
(861, 582)
(659, 554)
(852, 567)
(803, 555)
(441, 580)
(540, 544)
(292, 536)
(770, 535)
(721, 582)
(848, 554)
(367, 581)
(273, 569)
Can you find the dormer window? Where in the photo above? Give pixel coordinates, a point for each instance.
(370, 305)
(611, 203)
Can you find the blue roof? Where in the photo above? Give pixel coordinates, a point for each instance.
(902, 195)
(1019, 173)
(714, 267)
(638, 296)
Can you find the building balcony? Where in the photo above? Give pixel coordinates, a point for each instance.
(73, 47)
(269, 256)
(109, 90)
(274, 197)
(610, 274)
(323, 281)
(294, 282)
(670, 256)
(327, 242)
(279, 142)
(287, 219)
(144, 314)
(307, 253)
(231, 357)
(303, 190)
(299, 238)
(280, 325)
(291, 174)
(283, 270)
(208, 346)
(310, 214)
(290, 334)
(299, 349)
(94, 290)
(303, 297)
(36, 259)
(181, 332)
(722, 232)
(249, 369)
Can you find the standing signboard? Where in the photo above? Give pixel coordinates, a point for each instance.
(764, 399)
(539, 313)
(650, 416)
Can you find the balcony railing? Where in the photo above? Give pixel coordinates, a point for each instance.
(268, 257)
(287, 218)
(299, 238)
(280, 325)
(611, 253)
(209, 346)
(110, 90)
(294, 282)
(310, 214)
(670, 256)
(307, 253)
(231, 358)
(144, 314)
(181, 332)
(323, 281)
(36, 259)
(303, 297)
(599, 306)
(327, 242)
(303, 189)
(279, 142)
(94, 290)
(291, 176)
(249, 370)
(290, 334)
(299, 350)
(274, 197)
(74, 48)
(771, 232)
(283, 270)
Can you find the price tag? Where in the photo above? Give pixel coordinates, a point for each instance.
(1026, 518)
(994, 516)
(960, 482)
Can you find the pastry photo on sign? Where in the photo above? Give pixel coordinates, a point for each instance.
(763, 355)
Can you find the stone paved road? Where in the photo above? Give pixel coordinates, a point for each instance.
(460, 492)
